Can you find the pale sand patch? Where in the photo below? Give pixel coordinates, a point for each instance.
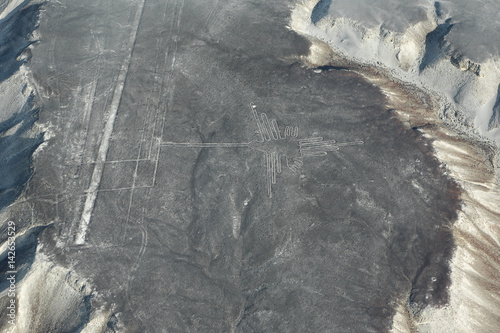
(51, 298)
(467, 91)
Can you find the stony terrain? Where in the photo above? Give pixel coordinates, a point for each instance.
(225, 166)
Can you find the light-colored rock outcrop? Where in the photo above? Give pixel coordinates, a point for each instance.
(421, 43)
(441, 86)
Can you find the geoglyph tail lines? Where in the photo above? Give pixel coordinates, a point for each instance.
(273, 166)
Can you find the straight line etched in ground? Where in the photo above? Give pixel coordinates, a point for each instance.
(92, 191)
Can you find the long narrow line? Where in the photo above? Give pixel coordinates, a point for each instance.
(108, 129)
(163, 71)
(355, 143)
(323, 146)
(273, 167)
(314, 153)
(87, 114)
(143, 135)
(206, 145)
(268, 174)
(88, 111)
(256, 117)
(171, 88)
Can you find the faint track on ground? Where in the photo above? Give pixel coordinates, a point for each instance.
(165, 82)
(142, 250)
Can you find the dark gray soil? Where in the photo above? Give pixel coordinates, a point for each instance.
(188, 239)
